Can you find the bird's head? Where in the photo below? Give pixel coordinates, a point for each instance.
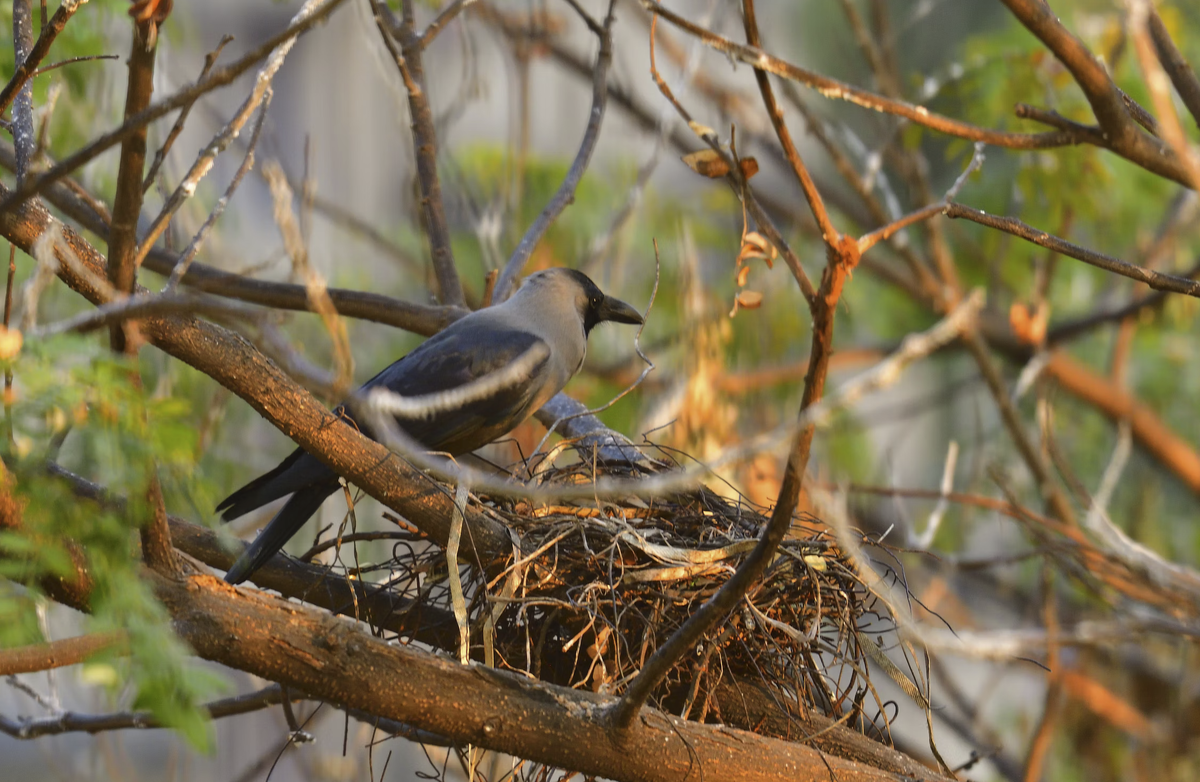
(589, 301)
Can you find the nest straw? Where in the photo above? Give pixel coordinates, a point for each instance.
(601, 584)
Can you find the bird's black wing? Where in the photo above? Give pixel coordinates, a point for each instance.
(455, 358)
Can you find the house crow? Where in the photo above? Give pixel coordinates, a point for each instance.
(544, 326)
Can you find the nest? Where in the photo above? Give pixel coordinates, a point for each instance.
(603, 584)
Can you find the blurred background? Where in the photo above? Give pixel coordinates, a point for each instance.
(510, 84)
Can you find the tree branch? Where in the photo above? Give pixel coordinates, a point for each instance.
(57, 654)
(832, 88)
(565, 195)
(409, 62)
(1181, 73)
(29, 62)
(231, 361)
(219, 78)
(1157, 280)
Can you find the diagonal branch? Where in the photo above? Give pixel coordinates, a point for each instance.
(234, 363)
(1156, 280)
(1121, 133)
(828, 232)
(566, 191)
(408, 58)
(832, 88)
(29, 62)
(215, 80)
(1181, 73)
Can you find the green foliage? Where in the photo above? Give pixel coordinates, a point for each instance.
(84, 36)
(73, 393)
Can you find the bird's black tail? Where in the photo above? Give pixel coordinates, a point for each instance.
(265, 488)
(279, 530)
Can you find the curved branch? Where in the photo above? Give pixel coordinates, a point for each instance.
(422, 319)
(1121, 133)
(832, 88)
(234, 363)
(566, 191)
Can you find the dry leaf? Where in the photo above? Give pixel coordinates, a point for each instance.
(749, 167)
(701, 130)
(755, 245)
(10, 343)
(155, 11)
(1029, 327)
(750, 300)
(707, 162)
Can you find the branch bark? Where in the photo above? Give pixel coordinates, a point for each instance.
(230, 360)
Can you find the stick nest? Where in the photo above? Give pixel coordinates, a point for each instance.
(600, 585)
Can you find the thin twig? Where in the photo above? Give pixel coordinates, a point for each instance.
(32, 56)
(73, 60)
(219, 78)
(210, 60)
(189, 254)
(259, 94)
(565, 194)
(815, 203)
(444, 18)
(408, 59)
(832, 88)
(1157, 280)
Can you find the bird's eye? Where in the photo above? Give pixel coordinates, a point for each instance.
(595, 301)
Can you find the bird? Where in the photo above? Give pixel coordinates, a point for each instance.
(545, 323)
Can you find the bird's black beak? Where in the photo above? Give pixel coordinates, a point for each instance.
(617, 311)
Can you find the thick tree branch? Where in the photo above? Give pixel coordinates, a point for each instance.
(230, 360)
(57, 654)
(331, 660)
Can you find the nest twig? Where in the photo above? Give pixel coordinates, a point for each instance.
(603, 583)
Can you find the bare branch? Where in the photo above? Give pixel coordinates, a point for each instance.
(210, 60)
(1181, 73)
(828, 232)
(22, 116)
(407, 57)
(444, 18)
(832, 88)
(1157, 280)
(29, 61)
(565, 194)
(57, 654)
(219, 78)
